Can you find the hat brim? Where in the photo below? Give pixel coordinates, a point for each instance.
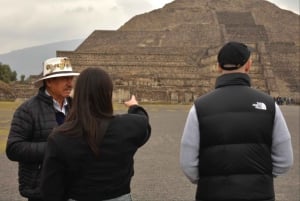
(39, 82)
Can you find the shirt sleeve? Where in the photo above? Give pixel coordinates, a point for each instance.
(20, 146)
(189, 147)
(282, 152)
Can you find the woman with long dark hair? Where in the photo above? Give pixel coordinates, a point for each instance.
(90, 156)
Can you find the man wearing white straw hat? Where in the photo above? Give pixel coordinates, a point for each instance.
(34, 120)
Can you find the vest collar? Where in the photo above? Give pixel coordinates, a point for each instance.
(233, 79)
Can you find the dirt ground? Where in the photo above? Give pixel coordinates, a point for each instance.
(158, 176)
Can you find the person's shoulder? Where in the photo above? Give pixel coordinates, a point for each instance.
(262, 93)
(65, 128)
(28, 104)
(130, 118)
(59, 135)
(258, 91)
(130, 115)
(60, 139)
(127, 122)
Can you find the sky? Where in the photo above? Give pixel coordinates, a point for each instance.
(31, 23)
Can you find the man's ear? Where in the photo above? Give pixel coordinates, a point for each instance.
(48, 82)
(248, 65)
(219, 70)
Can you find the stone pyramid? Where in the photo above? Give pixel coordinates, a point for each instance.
(169, 54)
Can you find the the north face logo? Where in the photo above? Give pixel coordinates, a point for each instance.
(260, 106)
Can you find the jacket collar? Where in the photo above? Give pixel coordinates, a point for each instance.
(44, 97)
(49, 100)
(233, 79)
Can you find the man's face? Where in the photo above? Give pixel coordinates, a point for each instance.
(60, 87)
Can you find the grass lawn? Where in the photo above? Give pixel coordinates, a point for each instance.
(3, 138)
(6, 112)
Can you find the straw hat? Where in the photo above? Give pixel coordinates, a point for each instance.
(56, 67)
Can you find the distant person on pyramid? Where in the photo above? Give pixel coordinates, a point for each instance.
(91, 156)
(34, 120)
(235, 139)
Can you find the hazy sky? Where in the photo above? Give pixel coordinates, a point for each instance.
(27, 23)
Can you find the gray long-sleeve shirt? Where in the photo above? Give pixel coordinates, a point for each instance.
(282, 152)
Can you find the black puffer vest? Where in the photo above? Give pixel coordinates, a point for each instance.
(236, 125)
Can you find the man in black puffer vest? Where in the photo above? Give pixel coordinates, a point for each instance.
(34, 120)
(235, 139)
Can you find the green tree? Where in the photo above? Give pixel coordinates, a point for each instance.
(13, 76)
(6, 75)
(22, 78)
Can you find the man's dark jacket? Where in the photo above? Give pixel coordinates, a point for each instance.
(236, 123)
(32, 123)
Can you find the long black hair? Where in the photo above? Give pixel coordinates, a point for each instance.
(92, 106)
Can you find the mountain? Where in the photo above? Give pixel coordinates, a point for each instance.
(28, 61)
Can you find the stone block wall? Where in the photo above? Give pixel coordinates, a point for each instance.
(246, 33)
(235, 18)
(285, 59)
(159, 77)
(6, 92)
(179, 64)
(25, 91)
